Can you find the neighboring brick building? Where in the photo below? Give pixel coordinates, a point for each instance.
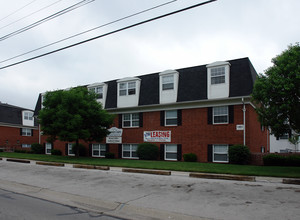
(202, 110)
(17, 128)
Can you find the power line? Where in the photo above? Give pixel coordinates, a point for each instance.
(17, 10)
(30, 14)
(109, 33)
(57, 14)
(84, 32)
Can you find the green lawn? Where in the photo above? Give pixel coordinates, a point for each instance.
(292, 172)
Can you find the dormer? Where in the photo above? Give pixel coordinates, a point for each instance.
(168, 86)
(27, 118)
(128, 92)
(100, 89)
(218, 74)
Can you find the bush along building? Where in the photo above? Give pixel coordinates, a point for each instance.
(17, 128)
(201, 110)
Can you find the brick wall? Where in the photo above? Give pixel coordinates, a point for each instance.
(195, 134)
(11, 137)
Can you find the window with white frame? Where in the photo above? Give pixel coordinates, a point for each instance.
(127, 88)
(131, 120)
(48, 148)
(26, 132)
(129, 151)
(70, 149)
(220, 115)
(171, 117)
(217, 75)
(220, 153)
(28, 116)
(171, 152)
(26, 145)
(168, 82)
(98, 91)
(98, 150)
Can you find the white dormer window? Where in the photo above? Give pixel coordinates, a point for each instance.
(168, 86)
(28, 116)
(167, 82)
(127, 88)
(128, 92)
(218, 75)
(98, 91)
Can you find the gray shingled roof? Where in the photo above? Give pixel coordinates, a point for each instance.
(192, 84)
(10, 114)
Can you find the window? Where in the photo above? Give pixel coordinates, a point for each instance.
(99, 150)
(26, 145)
(70, 149)
(168, 82)
(98, 91)
(131, 120)
(170, 152)
(171, 117)
(129, 151)
(127, 88)
(220, 153)
(285, 136)
(217, 75)
(48, 148)
(220, 115)
(28, 116)
(262, 149)
(26, 132)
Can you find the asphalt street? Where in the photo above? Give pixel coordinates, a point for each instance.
(14, 206)
(144, 196)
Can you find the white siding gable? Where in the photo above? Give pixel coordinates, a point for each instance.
(218, 74)
(168, 86)
(128, 92)
(102, 99)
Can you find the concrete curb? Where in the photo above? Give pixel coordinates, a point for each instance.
(156, 172)
(82, 166)
(18, 160)
(50, 164)
(223, 176)
(291, 181)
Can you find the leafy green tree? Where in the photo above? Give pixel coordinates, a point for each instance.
(73, 115)
(277, 93)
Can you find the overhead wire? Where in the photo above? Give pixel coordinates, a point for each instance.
(109, 33)
(48, 18)
(17, 10)
(30, 14)
(87, 31)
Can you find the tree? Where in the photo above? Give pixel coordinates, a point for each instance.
(277, 93)
(74, 115)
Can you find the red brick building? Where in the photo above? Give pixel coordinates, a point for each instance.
(17, 128)
(202, 110)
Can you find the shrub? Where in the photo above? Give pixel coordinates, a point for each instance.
(56, 152)
(191, 157)
(109, 155)
(239, 154)
(37, 148)
(20, 151)
(82, 150)
(147, 151)
(279, 160)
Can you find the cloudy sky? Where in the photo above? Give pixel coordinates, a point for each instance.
(221, 30)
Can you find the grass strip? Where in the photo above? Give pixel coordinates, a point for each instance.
(273, 171)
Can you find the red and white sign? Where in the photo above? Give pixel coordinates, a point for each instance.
(157, 136)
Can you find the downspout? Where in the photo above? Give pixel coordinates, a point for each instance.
(244, 120)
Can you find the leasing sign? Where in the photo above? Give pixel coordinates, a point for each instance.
(157, 136)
